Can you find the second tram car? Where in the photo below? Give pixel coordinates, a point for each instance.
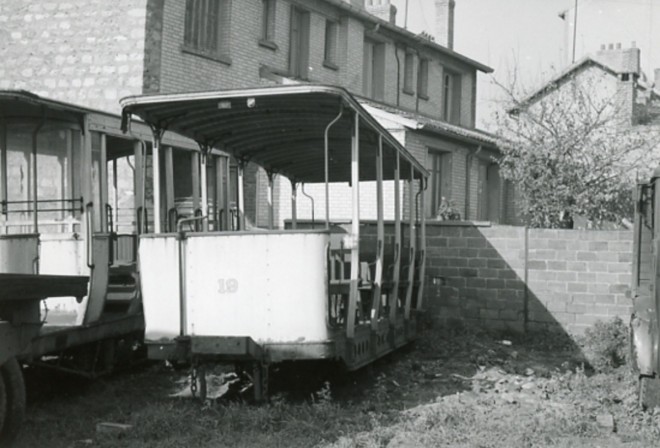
(266, 295)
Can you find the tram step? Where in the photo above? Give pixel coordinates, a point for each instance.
(119, 296)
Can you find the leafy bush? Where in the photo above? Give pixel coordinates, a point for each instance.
(606, 344)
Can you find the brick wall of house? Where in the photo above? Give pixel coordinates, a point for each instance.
(87, 52)
(502, 276)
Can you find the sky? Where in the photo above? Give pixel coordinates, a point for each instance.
(529, 37)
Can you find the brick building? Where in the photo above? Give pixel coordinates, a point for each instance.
(94, 52)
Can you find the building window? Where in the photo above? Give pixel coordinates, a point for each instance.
(451, 102)
(330, 49)
(207, 29)
(488, 192)
(423, 79)
(438, 163)
(299, 44)
(408, 73)
(373, 73)
(268, 24)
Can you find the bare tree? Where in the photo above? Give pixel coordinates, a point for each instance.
(574, 149)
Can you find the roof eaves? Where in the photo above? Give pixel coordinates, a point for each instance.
(409, 35)
(419, 122)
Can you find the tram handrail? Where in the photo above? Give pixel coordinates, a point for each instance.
(89, 210)
(179, 224)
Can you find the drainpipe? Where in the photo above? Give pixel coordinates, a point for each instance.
(398, 75)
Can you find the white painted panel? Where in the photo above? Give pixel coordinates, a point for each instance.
(159, 279)
(271, 287)
(18, 253)
(64, 254)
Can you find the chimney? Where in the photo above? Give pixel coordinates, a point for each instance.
(621, 60)
(444, 23)
(382, 9)
(656, 78)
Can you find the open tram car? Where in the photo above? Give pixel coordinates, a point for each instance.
(267, 295)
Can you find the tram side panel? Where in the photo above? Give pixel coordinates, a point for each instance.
(271, 287)
(159, 280)
(18, 253)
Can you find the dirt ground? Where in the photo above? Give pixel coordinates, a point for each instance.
(453, 388)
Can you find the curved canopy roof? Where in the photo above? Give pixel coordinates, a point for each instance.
(280, 128)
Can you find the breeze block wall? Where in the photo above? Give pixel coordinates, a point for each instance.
(508, 277)
(87, 52)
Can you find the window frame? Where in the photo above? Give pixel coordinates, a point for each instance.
(423, 79)
(268, 24)
(330, 52)
(439, 164)
(299, 64)
(451, 96)
(373, 86)
(408, 72)
(202, 35)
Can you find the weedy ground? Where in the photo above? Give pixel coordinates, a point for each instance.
(454, 388)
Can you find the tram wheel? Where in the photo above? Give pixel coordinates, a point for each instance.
(14, 397)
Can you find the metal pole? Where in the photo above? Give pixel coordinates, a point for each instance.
(380, 240)
(294, 205)
(205, 193)
(355, 229)
(155, 158)
(394, 298)
(327, 170)
(271, 211)
(241, 198)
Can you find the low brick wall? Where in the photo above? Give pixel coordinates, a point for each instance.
(517, 278)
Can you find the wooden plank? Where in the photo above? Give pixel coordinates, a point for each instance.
(18, 287)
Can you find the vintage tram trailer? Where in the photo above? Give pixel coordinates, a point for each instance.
(270, 295)
(72, 201)
(645, 320)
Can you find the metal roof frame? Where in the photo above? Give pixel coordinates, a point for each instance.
(272, 126)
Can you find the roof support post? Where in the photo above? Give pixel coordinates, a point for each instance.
(3, 161)
(155, 158)
(354, 239)
(138, 182)
(380, 238)
(226, 178)
(294, 204)
(422, 245)
(411, 260)
(394, 296)
(241, 196)
(271, 211)
(326, 158)
(103, 187)
(35, 177)
(115, 193)
(220, 206)
(195, 170)
(169, 189)
(205, 193)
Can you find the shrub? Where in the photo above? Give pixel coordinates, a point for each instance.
(606, 344)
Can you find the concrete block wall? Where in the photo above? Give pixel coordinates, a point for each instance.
(510, 277)
(88, 52)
